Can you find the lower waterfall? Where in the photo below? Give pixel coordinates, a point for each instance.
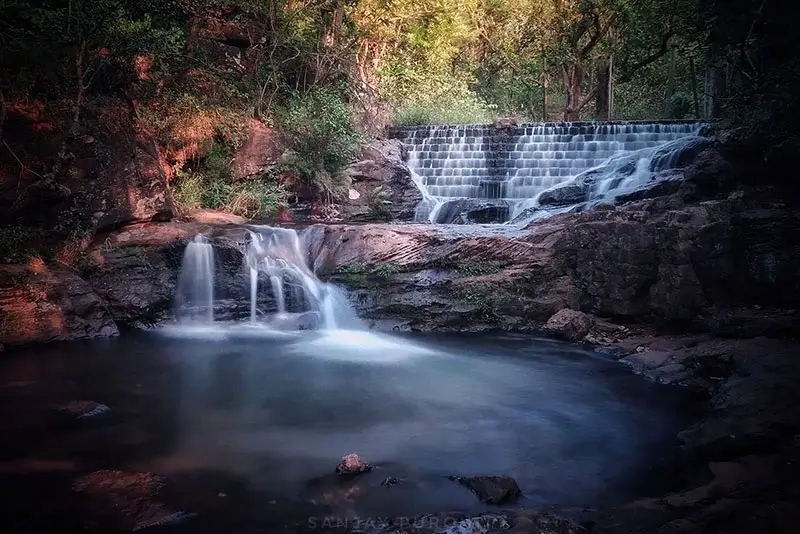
(284, 292)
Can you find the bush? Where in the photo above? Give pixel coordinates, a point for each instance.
(320, 132)
(15, 243)
(256, 198)
(442, 101)
(211, 186)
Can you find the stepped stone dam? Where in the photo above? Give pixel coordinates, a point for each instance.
(520, 172)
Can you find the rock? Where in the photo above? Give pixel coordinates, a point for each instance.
(571, 325)
(127, 501)
(472, 211)
(84, 409)
(352, 464)
(136, 271)
(382, 165)
(216, 217)
(119, 178)
(564, 195)
(666, 184)
(493, 489)
(260, 150)
(708, 175)
(744, 322)
(40, 304)
(390, 481)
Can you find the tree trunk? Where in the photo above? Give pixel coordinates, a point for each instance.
(603, 96)
(715, 90)
(695, 99)
(670, 89)
(545, 84)
(573, 79)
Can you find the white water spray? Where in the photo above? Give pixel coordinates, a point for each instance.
(194, 297)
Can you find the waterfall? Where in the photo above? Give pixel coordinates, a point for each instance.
(278, 254)
(194, 297)
(508, 169)
(273, 255)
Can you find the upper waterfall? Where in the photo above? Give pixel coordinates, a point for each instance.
(510, 168)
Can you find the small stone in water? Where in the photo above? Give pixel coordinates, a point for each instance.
(352, 464)
(495, 489)
(84, 409)
(390, 481)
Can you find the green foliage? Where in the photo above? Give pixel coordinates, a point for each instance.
(478, 268)
(386, 270)
(380, 201)
(15, 241)
(442, 100)
(210, 185)
(320, 131)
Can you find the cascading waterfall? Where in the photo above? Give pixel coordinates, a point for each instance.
(278, 275)
(194, 297)
(509, 169)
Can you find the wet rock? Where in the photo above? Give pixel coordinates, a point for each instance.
(83, 409)
(40, 304)
(564, 196)
(666, 184)
(472, 211)
(390, 481)
(124, 500)
(492, 489)
(352, 464)
(571, 325)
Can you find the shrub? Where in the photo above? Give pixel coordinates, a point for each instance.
(320, 131)
(15, 243)
(210, 185)
(380, 201)
(257, 198)
(434, 99)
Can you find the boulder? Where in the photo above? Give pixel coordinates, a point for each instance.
(40, 304)
(708, 175)
(382, 183)
(564, 196)
(472, 211)
(571, 325)
(663, 184)
(125, 501)
(492, 489)
(351, 465)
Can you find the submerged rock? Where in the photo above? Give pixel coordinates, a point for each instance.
(571, 325)
(351, 465)
(127, 501)
(83, 409)
(492, 489)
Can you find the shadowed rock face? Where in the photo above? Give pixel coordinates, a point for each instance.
(39, 304)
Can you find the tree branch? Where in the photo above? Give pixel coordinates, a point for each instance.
(652, 58)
